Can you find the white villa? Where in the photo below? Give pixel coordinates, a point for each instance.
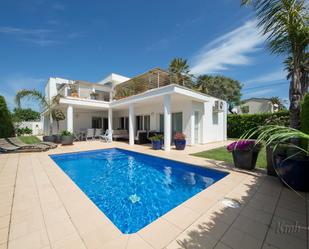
(149, 102)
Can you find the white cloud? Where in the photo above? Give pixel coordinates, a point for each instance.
(41, 37)
(228, 50)
(278, 75)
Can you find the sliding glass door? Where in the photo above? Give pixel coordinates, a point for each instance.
(142, 123)
(176, 123)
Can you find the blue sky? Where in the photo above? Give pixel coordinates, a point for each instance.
(90, 39)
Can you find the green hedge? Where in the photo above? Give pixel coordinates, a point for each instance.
(6, 124)
(237, 125)
(304, 114)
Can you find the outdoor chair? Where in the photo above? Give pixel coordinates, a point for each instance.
(77, 136)
(98, 133)
(141, 137)
(90, 134)
(107, 137)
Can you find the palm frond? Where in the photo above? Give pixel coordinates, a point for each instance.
(275, 135)
(30, 94)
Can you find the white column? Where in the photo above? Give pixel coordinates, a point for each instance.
(110, 118)
(70, 118)
(110, 122)
(167, 122)
(131, 124)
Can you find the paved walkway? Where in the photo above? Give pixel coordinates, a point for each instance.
(41, 208)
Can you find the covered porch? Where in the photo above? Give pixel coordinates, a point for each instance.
(165, 111)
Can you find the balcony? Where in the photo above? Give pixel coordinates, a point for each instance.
(85, 90)
(153, 79)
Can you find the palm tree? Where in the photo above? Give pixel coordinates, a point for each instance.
(276, 100)
(285, 23)
(304, 69)
(54, 114)
(179, 70)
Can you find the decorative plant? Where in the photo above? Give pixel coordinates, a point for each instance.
(94, 95)
(73, 88)
(156, 138)
(66, 133)
(243, 145)
(58, 115)
(179, 136)
(276, 135)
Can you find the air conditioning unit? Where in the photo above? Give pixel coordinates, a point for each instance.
(218, 106)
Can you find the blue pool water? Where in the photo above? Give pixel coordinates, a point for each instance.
(134, 189)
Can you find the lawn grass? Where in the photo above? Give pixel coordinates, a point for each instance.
(29, 139)
(221, 154)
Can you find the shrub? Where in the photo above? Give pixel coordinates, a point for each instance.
(156, 138)
(237, 125)
(23, 131)
(20, 115)
(179, 135)
(304, 115)
(304, 119)
(66, 133)
(6, 124)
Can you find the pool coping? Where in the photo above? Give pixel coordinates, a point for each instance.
(167, 227)
(223, 173)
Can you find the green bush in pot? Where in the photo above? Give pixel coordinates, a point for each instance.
(66, 138)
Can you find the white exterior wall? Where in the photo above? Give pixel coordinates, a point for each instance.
(35, 126)
(209, 131)
(81, 120)
(214, 123)
(51, 86)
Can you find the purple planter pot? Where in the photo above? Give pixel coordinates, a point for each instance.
(180, 144)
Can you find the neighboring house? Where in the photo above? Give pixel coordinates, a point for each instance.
(257, 105)
(148, 102)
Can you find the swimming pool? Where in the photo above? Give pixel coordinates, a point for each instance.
(134, 189)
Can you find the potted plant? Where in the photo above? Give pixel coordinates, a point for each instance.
(57, 115)
(180, 141)
(156, 141)
(49, 138)
(94, 95)
(292, 164)
(74, 90)
(245, 153)
(66, 138)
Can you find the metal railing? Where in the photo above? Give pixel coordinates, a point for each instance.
(155, 78)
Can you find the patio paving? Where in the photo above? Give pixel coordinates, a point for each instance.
(41, 208)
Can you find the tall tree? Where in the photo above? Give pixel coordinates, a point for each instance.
(285, 23)
(20, 114)
(221, 87)
(276, 100)
(6, 124)
(42, 100)
(304, 70)
(179, 70)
